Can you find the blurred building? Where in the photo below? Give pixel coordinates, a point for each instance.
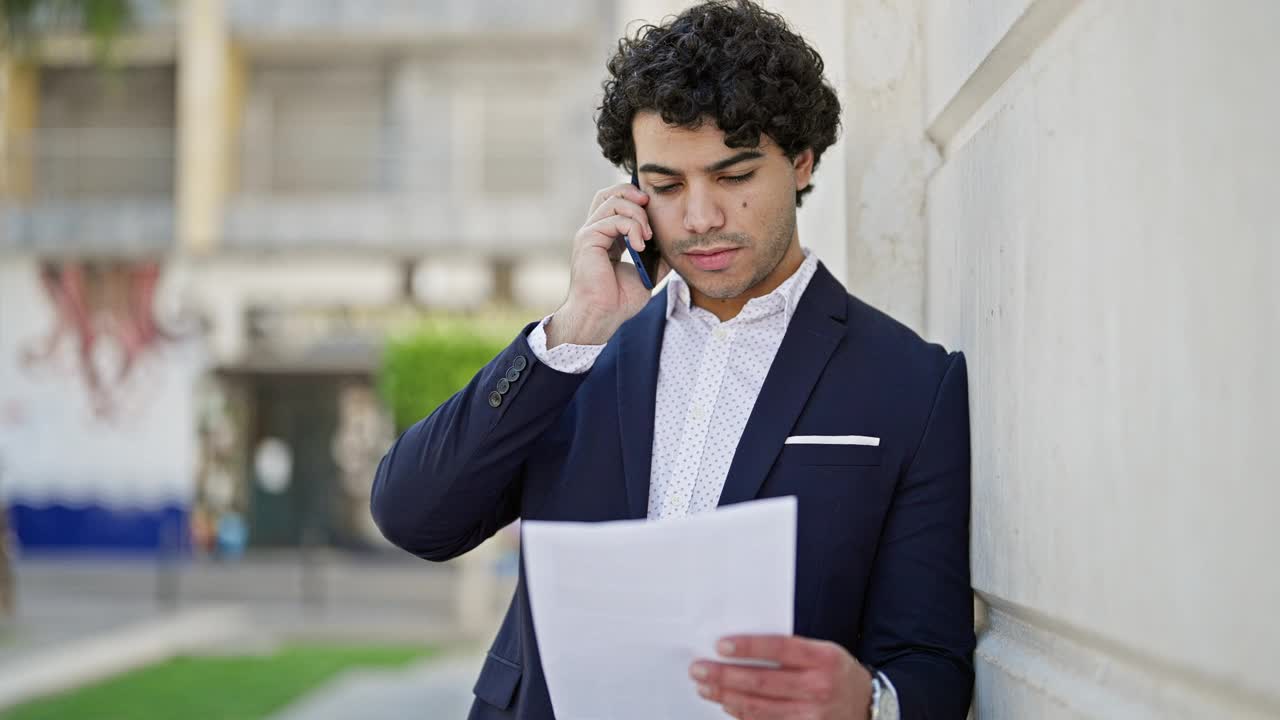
(203, 245)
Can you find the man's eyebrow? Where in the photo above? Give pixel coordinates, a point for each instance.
(656, 168)
(734, 160)
(713, 167)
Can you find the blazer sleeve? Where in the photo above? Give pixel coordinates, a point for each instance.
(454, 478)
(917, 624)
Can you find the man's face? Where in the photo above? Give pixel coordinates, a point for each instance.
(723, 217)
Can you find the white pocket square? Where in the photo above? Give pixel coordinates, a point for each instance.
(833, 440)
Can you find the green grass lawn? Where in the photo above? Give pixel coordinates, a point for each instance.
(213, 688)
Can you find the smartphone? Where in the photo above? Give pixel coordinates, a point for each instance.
(646, 260)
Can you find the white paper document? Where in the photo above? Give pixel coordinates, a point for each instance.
(621, 609)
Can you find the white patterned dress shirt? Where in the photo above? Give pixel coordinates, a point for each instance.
(709, 376)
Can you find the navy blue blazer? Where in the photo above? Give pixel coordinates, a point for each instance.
(882, 553)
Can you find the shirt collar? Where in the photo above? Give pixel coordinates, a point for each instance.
(789, 292)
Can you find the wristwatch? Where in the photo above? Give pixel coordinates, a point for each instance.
(884, 698)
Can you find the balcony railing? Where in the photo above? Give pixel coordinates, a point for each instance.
(409, 18)
(338, 187)
(111, 191)
(65, 164)
(89, 190)
(116, 227)
(398, 223)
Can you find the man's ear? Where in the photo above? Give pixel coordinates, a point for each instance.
(802, 166)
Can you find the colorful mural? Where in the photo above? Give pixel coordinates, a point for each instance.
(98, 437)
(105, 312)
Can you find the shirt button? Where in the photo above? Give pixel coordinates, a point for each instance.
(520, 363)
(719, 333)
(697, 413)
(503, 386)
(495, 399)
(512, 374)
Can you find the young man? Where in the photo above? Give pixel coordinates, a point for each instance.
(753, 374)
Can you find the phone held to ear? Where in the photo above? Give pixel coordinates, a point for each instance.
(646, 260)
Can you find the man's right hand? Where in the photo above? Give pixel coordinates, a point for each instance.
(603, 291)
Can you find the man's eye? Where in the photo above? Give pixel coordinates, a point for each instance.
(740, 178)
(665, 189)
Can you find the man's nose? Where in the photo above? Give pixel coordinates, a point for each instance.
(702, 213)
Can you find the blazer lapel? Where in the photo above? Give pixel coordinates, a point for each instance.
(639, 351)
(816, 328)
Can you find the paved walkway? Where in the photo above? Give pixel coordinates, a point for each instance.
(433, 689)
(108, 615)
(356, 598)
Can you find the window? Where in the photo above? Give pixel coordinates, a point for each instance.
(316, 131)
(104, 133)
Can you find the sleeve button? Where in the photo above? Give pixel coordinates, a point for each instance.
(495, 399)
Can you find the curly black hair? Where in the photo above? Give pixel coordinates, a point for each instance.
(730, 61)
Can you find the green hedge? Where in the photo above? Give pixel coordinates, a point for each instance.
(422, 369)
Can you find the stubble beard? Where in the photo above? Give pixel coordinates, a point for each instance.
(769, 254)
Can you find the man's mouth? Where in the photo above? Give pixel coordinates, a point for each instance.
(712, 258)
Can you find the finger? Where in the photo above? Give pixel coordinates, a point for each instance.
(622, 206)
(621, 190)
(605, 233)
(786, 650)
(807, 685)
(628, 210)
(746, 707)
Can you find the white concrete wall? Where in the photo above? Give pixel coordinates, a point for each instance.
(1102, 243)
(823, 221)
(887, 155)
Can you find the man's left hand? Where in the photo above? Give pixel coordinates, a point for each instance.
(814, 680)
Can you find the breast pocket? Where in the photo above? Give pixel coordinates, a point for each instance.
(827, 455)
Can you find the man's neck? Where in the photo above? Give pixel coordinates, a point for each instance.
(728, 308)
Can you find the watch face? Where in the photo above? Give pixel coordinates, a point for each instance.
(888, 706)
